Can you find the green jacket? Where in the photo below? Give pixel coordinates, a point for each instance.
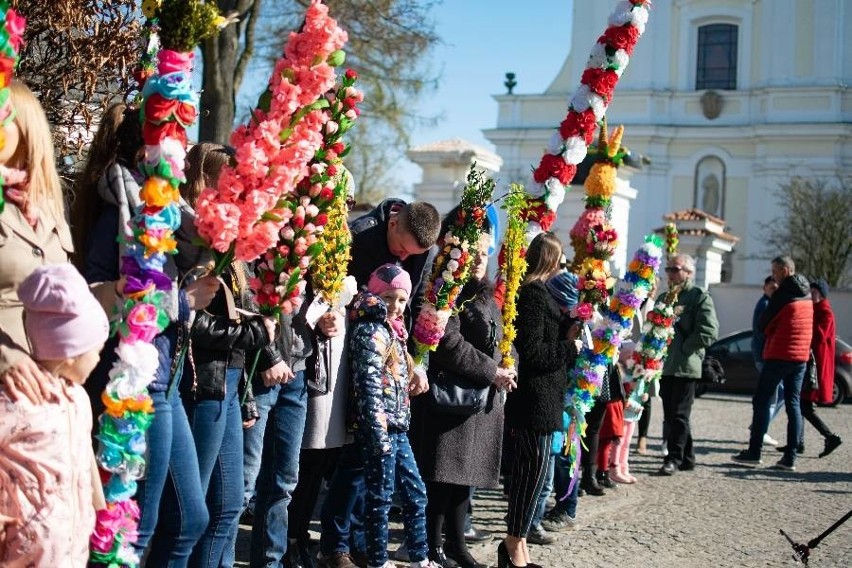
(696, 329)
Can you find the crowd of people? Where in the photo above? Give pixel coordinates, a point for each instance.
(253, 416)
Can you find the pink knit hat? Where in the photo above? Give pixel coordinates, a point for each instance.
(389, 277)
(62, 318)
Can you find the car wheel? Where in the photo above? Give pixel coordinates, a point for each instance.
(838, 393)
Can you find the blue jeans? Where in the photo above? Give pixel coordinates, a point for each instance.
(565, 501)
(546, 490)
(383, 474)
(217, 426)
(343, 509)
(790, 374)
(279, 473)
(265, 399)
(170, 496)
(777, 402)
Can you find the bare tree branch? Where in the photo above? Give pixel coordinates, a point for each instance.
(814, 228)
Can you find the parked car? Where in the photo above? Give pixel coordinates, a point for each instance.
(734, 353)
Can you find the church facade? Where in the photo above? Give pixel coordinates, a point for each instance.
(728, 99)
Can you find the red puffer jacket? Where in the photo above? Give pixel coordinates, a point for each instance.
(788, 334)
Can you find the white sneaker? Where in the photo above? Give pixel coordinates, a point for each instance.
(769, 440)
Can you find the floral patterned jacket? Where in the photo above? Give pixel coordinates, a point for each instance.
(380, 373)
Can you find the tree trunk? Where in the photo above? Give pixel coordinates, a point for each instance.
(217, 87)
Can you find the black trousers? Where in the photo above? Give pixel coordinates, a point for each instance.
(314, 466)
(531, 456)
(809, 414)
(678, 394)
(447, 507)
(594, 420)
(645, 419)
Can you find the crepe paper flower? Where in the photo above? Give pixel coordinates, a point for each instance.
(588, 373)
(11, 39)
(306, 214)
(513, 268)
(452, 265)
(672, 240)
(332, 261)
(274, 152)
(587, 106)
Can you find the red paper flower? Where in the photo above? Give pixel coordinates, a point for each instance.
(579, 124)
(601, 81)
(159, 109)
(153, 134)
(556, 167)
(186, 114)
(621, 37)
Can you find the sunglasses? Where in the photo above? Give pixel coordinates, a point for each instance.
(673, 269)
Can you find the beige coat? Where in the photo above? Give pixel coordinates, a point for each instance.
(22, 250)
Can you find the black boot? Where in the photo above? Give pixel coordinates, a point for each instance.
(589, 484)
(438, 556)
(461, 556)
(604, 480)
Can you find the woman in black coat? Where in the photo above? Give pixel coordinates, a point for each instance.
(546, 351)
(455, 452)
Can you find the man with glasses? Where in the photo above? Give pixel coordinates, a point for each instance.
(696, 328)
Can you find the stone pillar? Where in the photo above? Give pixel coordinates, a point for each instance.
(445, 165)
(703, 237)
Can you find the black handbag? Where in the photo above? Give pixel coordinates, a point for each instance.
(319, 381)
(453, 394)
(811, 381)
(712, 371)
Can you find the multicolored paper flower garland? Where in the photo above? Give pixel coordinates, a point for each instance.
(593, 237)
(646, 363)
(168, 106)
(282, 269)
(451, 269)
(586, 377)
(11, 39)
(513, 268)
(567, 147)
(248, 212)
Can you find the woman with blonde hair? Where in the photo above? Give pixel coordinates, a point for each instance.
(546, 351)
(33, 233)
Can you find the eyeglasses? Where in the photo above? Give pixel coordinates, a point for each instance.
(673, 269)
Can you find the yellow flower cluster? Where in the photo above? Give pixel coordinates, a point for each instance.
(513, 268)
(329, 266)
(601, 180)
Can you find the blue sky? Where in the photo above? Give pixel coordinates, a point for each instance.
(482, 40)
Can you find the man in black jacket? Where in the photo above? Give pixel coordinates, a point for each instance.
(393, 232)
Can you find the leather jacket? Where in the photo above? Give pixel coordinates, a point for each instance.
(218, 343)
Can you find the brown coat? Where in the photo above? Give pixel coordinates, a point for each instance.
(22, 250)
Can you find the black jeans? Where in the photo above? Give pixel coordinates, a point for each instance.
(678, 394)
(314, 467)
(809, 414)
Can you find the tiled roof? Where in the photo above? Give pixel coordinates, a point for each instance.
(692, 214)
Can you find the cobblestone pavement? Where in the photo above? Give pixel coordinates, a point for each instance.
(720, 514)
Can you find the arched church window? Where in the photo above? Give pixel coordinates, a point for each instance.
(709, 194)
(717, 57)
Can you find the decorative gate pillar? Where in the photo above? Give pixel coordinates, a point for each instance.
(445, 165)
(703, 237)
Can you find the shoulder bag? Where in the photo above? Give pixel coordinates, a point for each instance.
(452, 394)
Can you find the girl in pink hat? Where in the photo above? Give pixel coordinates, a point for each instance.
(49, 487)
